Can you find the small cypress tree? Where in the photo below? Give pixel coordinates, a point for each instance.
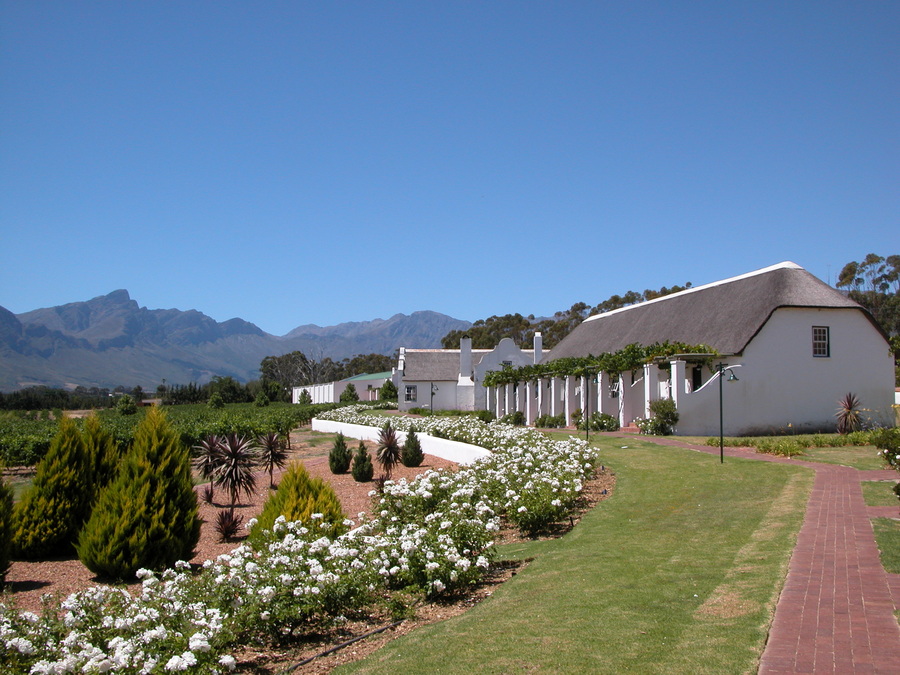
(305, 398)
(349, 394)
(297, 499)
(103, 452)
(340, 456)
(362, 464)
(6, 528)
(411, 453)
(50, 515)
(388, 391)
(148, 516)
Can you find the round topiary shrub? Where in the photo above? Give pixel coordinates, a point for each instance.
(411, 453)
(148, 516)
(311, 501)
(50, 515)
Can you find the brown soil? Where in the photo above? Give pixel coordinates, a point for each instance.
(27, 582)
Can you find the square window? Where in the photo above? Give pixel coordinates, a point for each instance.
(411, 393)
(821, 342)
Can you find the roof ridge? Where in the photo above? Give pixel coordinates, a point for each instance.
(787, 264)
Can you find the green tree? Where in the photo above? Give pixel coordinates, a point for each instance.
(6, 528)
(103, 452)
(126, 405)
(148, 516)
(305, 398)
(339, 456)
(411, 453)
(349, 394)
(388, 391)
(50, 515)
(362, 464)
(311, 501)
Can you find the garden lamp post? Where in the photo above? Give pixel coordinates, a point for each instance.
(731, 378)
(433, 389)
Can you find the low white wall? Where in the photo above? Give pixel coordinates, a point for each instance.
(461, 453)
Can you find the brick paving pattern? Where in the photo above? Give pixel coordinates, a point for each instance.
(836, 611)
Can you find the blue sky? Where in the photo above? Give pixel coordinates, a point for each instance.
(298, 162)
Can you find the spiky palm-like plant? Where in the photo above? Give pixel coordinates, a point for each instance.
(239, 460)
(848, 414)
(272, 453)
(208, 461)
(388, 452)
(228, 524)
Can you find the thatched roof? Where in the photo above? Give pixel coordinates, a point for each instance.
(436, 365)
(725, 315)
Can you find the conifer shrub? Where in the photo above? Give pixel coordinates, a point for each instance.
(388, 391)
(301, 498)
(362, 469)
(6, 528)
(148, 516)
(216, 402)
(103, 452)
(349, 394)
(305, 398)
(411, 453)
(49, 517)
(339, 456)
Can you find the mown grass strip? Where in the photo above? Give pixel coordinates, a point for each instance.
(879, 493)
(887, 537)
(678, 572)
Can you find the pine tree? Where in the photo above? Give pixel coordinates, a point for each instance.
(339, 456)
(49, 517)
(362, 465)
(6, 528)
(411, 453)
(148, 516)
(103, 452)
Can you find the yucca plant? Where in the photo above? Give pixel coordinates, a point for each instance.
(388, 452)
(239, 460)
(848, 414)
(228, 524)
(272, 453)
(208, 461)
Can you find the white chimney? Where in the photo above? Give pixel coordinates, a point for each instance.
(538, 347)
(465, 357)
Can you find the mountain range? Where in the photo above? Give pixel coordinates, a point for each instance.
(110, 341)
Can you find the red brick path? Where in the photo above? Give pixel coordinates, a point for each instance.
(836, 612)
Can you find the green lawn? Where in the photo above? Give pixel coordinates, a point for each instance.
(879, 493)
(887, 536)
(678, 572)
(864, 457)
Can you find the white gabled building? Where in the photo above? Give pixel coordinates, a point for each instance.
(368, 388)
(451, 379)
(795, 345)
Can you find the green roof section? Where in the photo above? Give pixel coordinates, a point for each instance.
(369, 376)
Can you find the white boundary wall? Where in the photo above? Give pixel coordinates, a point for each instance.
(461, 453)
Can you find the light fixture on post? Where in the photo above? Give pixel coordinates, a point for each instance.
(433, 389)
(722, 367)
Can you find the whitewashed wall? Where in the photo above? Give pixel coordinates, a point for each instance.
(462, 453)
(781, 383)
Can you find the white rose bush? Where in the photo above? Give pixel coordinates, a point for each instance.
(433, 535)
